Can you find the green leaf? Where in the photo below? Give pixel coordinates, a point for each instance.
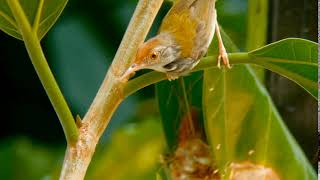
(293, 58)
(240, 117)
(41, 15)
(243, 125)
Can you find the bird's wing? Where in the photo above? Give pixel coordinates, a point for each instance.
(185, 19)
(203, 11)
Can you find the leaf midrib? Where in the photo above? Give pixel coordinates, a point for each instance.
(38, 16)
(256, 59)
(226, 137)
(267, 134)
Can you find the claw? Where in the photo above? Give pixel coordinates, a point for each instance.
(224, 56)
(219, 60)
(171, 77)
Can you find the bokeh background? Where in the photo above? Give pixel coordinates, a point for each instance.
(80, 47)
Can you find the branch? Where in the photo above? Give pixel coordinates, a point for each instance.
(205, 63)
(110, 94)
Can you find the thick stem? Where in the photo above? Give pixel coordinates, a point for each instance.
(110, 93)
(42, 68)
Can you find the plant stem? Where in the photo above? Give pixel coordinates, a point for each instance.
(110, 93)
(42, 68)
(205, 63)
(257, 27)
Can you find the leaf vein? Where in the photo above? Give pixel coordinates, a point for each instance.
(38, 15)
(293, 51)
(52, 14)
(6, 17)
(267, 137)
(271, 59)
(225, 114)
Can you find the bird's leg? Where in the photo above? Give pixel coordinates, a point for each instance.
(171, 76)
(222, 50)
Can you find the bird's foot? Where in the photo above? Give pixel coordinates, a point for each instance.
(171, 76)
(223, 55)
(222, 50)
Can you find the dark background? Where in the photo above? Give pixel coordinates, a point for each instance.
(82, 44)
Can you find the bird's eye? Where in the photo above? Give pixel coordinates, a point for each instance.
(154, 56)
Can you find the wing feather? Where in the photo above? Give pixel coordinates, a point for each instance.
(186, 21)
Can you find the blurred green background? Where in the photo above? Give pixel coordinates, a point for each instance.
(80, 47)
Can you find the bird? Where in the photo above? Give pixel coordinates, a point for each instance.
(182, 40)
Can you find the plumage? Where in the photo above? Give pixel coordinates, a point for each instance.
(184, 37)
(191, 22)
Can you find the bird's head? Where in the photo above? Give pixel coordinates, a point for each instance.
(155, 54)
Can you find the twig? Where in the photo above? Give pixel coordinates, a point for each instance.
(208, 62)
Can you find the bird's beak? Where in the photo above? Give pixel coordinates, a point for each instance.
(133, 68)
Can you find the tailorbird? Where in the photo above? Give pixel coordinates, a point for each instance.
(183, 39)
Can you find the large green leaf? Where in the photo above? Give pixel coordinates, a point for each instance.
(41, 15)
(242, 122)
(240, 117)
(296, 59)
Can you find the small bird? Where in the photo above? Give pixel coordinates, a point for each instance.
(183, 39)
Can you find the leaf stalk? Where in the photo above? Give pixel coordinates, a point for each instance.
(42, 68)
